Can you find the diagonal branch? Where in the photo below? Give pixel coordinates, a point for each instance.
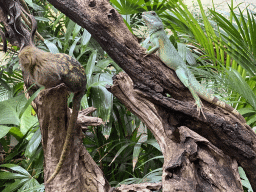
(155, 79)
(190, 161)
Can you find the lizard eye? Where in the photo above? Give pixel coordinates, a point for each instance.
(153, 13)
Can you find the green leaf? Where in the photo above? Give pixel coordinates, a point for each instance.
(42, 19)
(159, 6)
(27, 120)
(8, 175)
(32, 185)
(119, 152)
(127, 7)
(99, 83)
(85, 37)
(237, 39)
(245, 111)
(154, 143)
(153, 176)
(76, 30)
(16, 168)
(84, 102)
(15, 131)
(51, 46)
(118, 69)
(17, 102)
(73, 46)
(16, 185)
(90, 67)
(102, 64)
(5, 85)
(31, 4)
(57, 21)
(156, 157)
(251, 120)
(239, 85)
(102, 98)
(70, 28)
(4, 130)
(33, 144)
(245, 181)
(8, 114)
(30, 101)
(136, 153)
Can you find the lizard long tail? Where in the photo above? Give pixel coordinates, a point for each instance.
(204, 94)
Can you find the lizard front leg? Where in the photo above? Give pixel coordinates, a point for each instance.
(154, 48)
(145, 43)
(184, 78)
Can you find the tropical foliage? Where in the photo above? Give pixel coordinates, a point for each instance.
(223, 48)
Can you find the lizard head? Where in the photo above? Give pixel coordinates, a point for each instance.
(152, 21)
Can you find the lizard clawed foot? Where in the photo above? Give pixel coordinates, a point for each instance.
(200, 109)
(144, 55)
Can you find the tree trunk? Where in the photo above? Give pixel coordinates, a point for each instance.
(199, 154)
(191, 162)
(153, 80)
(78, 169)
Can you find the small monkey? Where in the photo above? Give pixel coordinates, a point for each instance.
(46, 69)
(50, 70)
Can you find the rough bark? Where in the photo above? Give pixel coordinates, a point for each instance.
(195, 160)
(143, 187)
(79, 169)
(79, 172)
(191, 162)
(154, 80)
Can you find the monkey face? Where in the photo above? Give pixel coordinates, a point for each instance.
(26, 58)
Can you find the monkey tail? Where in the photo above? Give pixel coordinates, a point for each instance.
(72, 122)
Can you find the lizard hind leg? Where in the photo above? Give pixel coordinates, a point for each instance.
(184, 78)
(198, 102)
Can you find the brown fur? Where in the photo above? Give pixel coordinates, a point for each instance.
(50, 70)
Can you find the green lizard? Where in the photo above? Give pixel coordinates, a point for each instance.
(169, 55)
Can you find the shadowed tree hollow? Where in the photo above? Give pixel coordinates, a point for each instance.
(199, 154)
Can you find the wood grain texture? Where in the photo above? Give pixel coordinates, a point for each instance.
(155, 79)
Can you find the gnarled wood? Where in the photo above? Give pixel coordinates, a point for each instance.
(79, 172)
(191, 162)
(152, 80)
(155, 79)
(143, 187)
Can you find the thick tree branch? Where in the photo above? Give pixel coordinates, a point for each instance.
(190, 161)
(79, 171)
(152, 80)
(143, 187)
(155, 79)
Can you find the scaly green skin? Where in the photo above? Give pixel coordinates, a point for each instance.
(169, 55)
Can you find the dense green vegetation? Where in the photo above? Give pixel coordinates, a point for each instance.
(223, 48)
